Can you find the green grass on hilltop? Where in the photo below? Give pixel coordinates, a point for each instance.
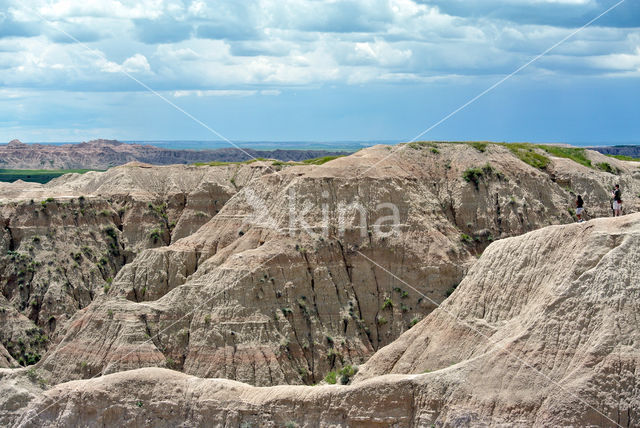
(528, 154)
(314, 161)
(222, 163)
(573, 153)
(321, 160)
(624, 158)
(36, 175)
(480, 146)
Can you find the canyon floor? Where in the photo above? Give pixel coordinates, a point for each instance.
(218, 295)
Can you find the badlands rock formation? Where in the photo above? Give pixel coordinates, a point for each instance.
(543, 331)
(271, 276)
(103, 154)
(62, 243)
(263, 293)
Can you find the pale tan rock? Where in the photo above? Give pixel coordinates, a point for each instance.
(244, 298)
(545, 322)
(63, 242)
(543, 331)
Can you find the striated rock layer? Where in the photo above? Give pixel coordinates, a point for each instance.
(63, 242)
(293, 278)
(543, 331)
(103, 154)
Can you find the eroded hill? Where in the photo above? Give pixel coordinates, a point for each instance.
(63, 243)
(542, 331)
(293, 278)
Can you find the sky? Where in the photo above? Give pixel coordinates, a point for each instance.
(312, 70)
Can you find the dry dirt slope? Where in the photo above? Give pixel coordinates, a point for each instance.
(543, 331)
(243, 298)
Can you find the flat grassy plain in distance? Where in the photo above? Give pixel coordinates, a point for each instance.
(36, 175)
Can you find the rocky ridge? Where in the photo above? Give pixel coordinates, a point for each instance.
(63, 243)
(542, 331)
(279, 285)
(254, 296)
(103, 154)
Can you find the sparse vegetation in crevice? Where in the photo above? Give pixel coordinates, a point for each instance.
(606, 167)
(154, 235)
(331, 378)
(479, 145)
(26, 350)
(286, 311)
(346, 373)
(474, 175)
(387, 304)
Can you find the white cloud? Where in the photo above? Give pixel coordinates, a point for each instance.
(292, 42)
(102, 8)
(214, 93)
(618, 62)
(136, 64)
(382, 53)
(225, 93)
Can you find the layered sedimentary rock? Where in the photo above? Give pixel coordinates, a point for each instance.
(293, 278)
(542, 331)
(62, 243)
(103, 154)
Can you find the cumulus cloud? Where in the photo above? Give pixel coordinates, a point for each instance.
(136, 64)
(195, 45)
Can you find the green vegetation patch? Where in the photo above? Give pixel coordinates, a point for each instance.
(480, 146)
(37, 175)
(528, 154)
(331, 378)
(346, 373)
(313, 161)
(474, 175)
(573, 153)
(606, 167)
(321, 160)
(624, 158)
(221, 163)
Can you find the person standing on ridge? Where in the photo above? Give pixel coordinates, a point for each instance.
(617, 201)
(579, 208)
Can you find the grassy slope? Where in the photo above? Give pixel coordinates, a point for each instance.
(624, 158)
(314, 161)
(532, 154)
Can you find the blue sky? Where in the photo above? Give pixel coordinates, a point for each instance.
(283, 70)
